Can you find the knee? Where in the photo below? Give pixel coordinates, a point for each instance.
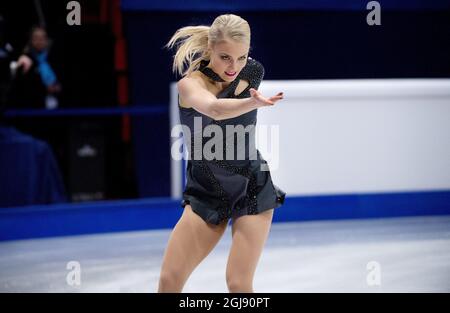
(170, 281)
(239, 284)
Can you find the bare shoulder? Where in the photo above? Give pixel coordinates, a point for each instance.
(190, 83)
(193, 78)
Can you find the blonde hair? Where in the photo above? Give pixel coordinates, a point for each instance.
(192, 41)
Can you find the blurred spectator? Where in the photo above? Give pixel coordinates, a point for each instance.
(35, 83)
(29, 173)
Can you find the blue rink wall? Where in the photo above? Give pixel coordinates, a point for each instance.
(157, 213)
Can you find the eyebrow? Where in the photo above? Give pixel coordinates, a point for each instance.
(230, 55)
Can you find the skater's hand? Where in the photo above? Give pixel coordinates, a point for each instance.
(263, 101)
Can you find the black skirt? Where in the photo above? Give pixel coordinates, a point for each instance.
(218, 191)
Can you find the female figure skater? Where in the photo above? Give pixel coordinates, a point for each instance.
(220, 87)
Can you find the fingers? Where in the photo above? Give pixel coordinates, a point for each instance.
(279, 96)
(254, 91)
(270, 101)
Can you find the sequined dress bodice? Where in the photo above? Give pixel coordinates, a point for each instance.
(253, 73)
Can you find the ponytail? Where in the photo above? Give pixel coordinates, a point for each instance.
(192, 45)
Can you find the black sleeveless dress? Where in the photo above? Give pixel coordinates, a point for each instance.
(230, 187)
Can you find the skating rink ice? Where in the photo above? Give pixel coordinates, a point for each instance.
(412, 254)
